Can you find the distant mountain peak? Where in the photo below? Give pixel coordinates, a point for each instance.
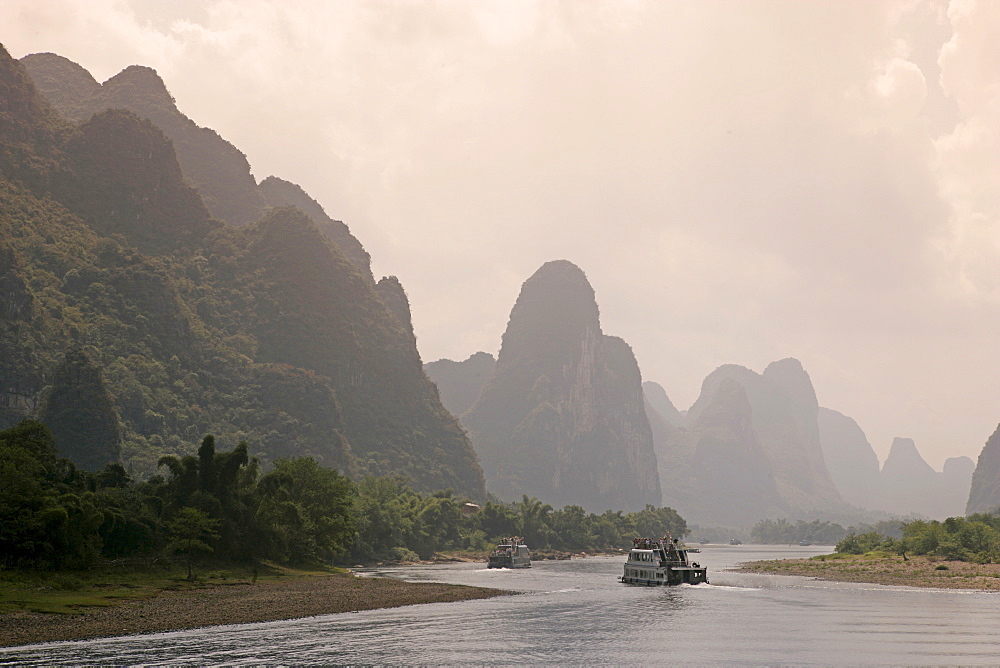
(143, 81)
(561, 417)
(904, 450)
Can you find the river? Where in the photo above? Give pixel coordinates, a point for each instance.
(575, 612)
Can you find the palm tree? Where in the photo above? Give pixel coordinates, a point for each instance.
(534, 519)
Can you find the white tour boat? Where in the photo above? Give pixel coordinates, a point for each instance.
(662, 561)
(510, 553)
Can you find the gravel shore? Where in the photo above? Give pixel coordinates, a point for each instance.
(915, 572)
(236, 603)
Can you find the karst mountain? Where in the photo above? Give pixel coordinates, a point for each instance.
(209, 302)
(561, 415)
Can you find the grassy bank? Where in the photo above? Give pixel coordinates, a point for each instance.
(61, 606)
(880, 568)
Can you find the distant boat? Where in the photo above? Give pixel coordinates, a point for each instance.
(735, 541)
(655, 562)
(804, 543)
(510, 553)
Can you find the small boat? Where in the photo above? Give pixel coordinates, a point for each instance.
(804, 543)
(662, 561)
(735, 541)
(510, 553)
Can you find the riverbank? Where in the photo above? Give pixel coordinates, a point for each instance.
(917, 571)
(229, 602)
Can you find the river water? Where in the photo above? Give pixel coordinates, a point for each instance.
(575, 612)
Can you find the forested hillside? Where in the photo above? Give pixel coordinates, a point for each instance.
(268, 333)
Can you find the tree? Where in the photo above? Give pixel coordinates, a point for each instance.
(653, 521)
(570, 528)
(79, 412)
(306, 508)
(496, 520)
(191, 528)
(534, 520)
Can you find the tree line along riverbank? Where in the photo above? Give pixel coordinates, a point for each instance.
(957, 553)
(216, 505)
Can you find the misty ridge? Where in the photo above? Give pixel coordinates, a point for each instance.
(753, 446)
(138, 247)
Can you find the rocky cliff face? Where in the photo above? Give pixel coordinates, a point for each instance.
(216, 168)
(956, 481)
(460, 383)
(734, 480)
(658, 400)
(851, 460)
(906, 477)
(984, 494)
(911, 486)
(267, 332)
(785, 421)
(562, 417)
(313, 319)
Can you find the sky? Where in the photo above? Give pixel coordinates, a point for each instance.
(741, 181)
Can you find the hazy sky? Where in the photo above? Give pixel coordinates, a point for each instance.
(741, 181)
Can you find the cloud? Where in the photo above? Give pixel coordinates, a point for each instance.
(741, 180)
(968, 156)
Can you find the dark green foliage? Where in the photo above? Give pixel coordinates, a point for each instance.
(29, 129)
(394, 522)
(266, 334)
(314, 310)
(81, 415)
(217, 169)
(863, 543)
(53, 516)
(191, 528)
(311, 423)
(278, 193)
(122, 177)
(67, 86)
(216, 503)
(16, 300)
(973, 538)
(308, 509)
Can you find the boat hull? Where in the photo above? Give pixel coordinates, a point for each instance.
(666, 577)
(507, 563)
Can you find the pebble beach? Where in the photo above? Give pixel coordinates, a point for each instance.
(916, 571)
(231, 603)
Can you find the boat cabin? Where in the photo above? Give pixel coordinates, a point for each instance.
(510, 553)
(663, 561)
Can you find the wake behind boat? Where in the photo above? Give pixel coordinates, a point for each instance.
(510, 553)
(662, 561)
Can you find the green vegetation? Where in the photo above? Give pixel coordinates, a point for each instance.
(217, 507)
(68, 592)
(975, 538)
(79, 412)
(265, 334)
